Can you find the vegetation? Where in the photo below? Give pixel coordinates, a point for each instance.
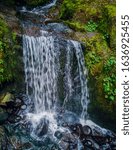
(7, 52)
(96, 20)
(91, 26)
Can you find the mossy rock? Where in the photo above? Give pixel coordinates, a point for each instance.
(75, 26)
(79, 10)
(5, 98)
(102, 12)
(8, 58)
(110, 11)
(96, 52)
(107, 25)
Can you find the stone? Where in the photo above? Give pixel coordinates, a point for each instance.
(5, 98)
(42, 128)
(68, 141)
(3, 115)
(58, 135)
(3, 141)
(87, 130)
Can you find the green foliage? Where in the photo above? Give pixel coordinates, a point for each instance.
(95, 54)
(110, 65)
(79, 10)
(76, 26)
(7, 52)
(101, 65)
(109, 81)
(91, 26)
(107, 25)
(68, 9)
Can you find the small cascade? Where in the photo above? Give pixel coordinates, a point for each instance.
(42, 67)
(83, 79)
(57, 88)
(40, 71)
(40, 9)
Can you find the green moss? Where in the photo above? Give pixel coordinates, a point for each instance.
(7, 52)
(100, 62)
(95, 54)
(79, 10)
(107, 25)
(76, 26)
(91, 15)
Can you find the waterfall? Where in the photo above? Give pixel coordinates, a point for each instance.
(42, 69)
(83, 80)
(56, 86)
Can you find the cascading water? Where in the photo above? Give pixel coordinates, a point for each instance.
(40, 10)
(42, 72)
(56, 85)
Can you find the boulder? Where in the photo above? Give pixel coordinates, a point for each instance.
(5, 98)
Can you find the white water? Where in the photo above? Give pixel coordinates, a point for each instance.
(40, 10)
(50, 79)
(40, 71)
(83, 80)
(41, 58)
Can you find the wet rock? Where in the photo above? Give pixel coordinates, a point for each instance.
(4, 142)
(59, 27)
(27, 145)
(2, 134)
(68, 141)
(70, 118)
(58, 134)
(42, 128)
(3, 115)
(87, 130)
(87, 143)
(15, 142)
(76, 129)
